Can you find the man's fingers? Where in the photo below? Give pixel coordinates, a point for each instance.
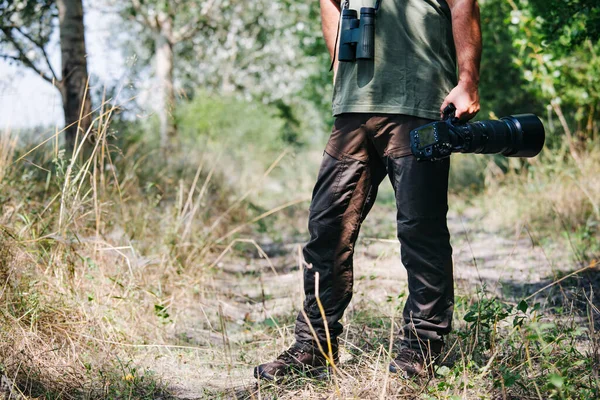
(460, 109)
(465, 100)
(446, 102)
(465, 115)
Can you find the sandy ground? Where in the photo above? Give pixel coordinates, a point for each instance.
(219, 334)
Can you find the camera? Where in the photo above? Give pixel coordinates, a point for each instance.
(357, 36)
(513, 136)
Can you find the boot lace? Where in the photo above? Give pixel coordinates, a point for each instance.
(290, 355)
(409, 356)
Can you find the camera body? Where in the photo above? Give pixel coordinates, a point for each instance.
(357, 36)
(513, 136)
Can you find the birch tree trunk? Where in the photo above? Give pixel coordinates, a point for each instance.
(164, 76)
(74, 71)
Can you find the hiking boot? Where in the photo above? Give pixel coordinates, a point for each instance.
(301, 357)
(410, 363)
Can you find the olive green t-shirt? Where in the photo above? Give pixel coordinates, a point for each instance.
(414, 66)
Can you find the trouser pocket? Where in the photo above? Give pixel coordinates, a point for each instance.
(328, 182)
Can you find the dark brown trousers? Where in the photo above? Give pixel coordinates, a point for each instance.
(362, 150)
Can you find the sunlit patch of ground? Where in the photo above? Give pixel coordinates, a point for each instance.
(250, 317)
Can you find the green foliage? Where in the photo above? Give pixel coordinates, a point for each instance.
(126, 380)
(161, 312)
(542, 56)
(252, 48)
(569, 22)
(232, 121)
(503, 87)
(318, 88)
(566, 78)
(521, 350)
(15, 13)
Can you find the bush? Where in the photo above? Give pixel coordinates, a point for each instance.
(237, 124)
(550, 194)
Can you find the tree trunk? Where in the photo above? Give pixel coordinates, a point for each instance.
(164, 76)
(74, 71)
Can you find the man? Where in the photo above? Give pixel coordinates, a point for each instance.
(418, 44)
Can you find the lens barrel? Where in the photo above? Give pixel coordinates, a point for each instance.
(514, 136)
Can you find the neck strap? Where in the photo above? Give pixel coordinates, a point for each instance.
(346, 4)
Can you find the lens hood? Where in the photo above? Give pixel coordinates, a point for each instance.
(532, 134)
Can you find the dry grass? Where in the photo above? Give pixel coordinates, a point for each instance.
(553, 192)
(135, 275)
(98, 254)
(93, 257)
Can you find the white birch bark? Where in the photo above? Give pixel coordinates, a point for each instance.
(164, 76)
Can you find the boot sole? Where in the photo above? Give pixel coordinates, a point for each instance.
(259, 373)
(406, 374)
(314, 373)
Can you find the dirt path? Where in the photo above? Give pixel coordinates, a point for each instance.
(256, 301)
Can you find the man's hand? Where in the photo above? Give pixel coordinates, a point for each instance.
(466, 31)
(465, 98)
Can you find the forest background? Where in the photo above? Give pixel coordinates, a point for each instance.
(149, 242)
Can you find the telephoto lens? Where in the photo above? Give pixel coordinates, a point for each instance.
(520, 135)
(513, 136)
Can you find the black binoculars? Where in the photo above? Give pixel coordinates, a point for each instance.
(357, 37)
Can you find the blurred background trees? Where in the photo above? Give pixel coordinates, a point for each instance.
(248, 50)
(539, 56)
(26, 29)
(167, 24)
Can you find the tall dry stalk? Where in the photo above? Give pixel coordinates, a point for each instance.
(8, 142)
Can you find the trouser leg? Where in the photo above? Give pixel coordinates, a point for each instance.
(422, 200)
(343, 195)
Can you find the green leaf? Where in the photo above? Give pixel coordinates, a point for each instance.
(272, 322)
(442, 370)
(556, 380)
(522, 306)
(518, 321)
(470, 316)
(510, 379)
(161, 311)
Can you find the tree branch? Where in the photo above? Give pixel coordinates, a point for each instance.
(188, 30)
(137, 6)
(191, 28)
(9, 57)
(42, 49)
(25, 60)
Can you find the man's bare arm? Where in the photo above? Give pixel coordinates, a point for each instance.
(330, 16)
(466, 30)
